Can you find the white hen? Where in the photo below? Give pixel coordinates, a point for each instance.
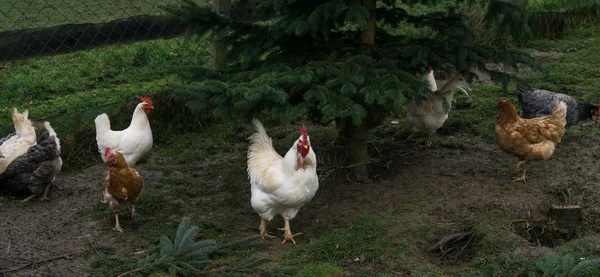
(133, 142)
(18, 143)
(431, 114)
(280, 185)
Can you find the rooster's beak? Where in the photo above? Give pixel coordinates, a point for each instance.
(305, 146)
(152, 107)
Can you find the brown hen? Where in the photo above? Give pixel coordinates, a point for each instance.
(123, 185)
(529, 139)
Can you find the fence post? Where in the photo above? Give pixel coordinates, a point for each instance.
(216, 52)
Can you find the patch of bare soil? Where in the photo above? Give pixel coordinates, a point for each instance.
(449, 184)
(49, 238)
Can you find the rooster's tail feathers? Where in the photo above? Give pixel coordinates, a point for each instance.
(102, 123)
(259, 141)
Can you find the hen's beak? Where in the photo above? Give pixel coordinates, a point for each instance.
(152, 107)
(305, 146)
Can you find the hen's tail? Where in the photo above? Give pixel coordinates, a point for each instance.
(41, 127)
(559, 112)
(23, 125)
(453, 84)
(102, 123)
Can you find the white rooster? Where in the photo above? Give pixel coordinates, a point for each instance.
(431, 114)
(15, 145)
(133, 142)
(280, 185)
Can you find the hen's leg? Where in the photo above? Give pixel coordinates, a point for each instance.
(288, 233)
(523, 177)
(45, 195)
(132, 211)
(263, 230)
(519, 164)
(117, 226)
(410, 137)
(28, 198)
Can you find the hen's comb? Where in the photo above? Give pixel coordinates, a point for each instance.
(430, 68)
(501, 100)
(304, 134)
(146, 99)
(106, 152)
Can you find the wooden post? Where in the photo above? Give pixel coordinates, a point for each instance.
(216, 52)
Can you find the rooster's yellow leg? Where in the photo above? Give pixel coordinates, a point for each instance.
(410, 137)
(429, 142)
(263, 230)
(523, 177)
(117, 226)
(288, 233)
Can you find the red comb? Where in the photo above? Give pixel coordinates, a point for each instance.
(430, 68)
(106, 152)
(303, 133)
(146, 99)
(501, 99)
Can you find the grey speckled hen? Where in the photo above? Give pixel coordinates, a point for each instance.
(538, 102)
(33, 172)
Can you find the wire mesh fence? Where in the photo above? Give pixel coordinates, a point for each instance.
(66, 61)
(62, 58)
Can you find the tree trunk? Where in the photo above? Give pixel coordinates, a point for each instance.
(355, 145)
(368, 34)
(355, 138)
(216, 52)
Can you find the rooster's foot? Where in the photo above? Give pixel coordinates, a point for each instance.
(266, 235)
(290, 237)
(520, 179)
(263, 230)
(428, 145)
(118, 229)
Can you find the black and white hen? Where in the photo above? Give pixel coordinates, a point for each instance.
(538, 102)
(34, 172)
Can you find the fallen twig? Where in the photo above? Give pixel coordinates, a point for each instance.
(63, 256)
(448, 239)
(93, 247)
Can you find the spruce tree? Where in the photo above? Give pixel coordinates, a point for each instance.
(343, 60)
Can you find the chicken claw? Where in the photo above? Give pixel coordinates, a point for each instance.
(523, 177)
(288, 233)
(117, 225)
(290, 236)
(428, 144)
(45, 195)
(263, 230)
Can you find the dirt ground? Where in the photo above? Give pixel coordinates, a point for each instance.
(449, 183)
